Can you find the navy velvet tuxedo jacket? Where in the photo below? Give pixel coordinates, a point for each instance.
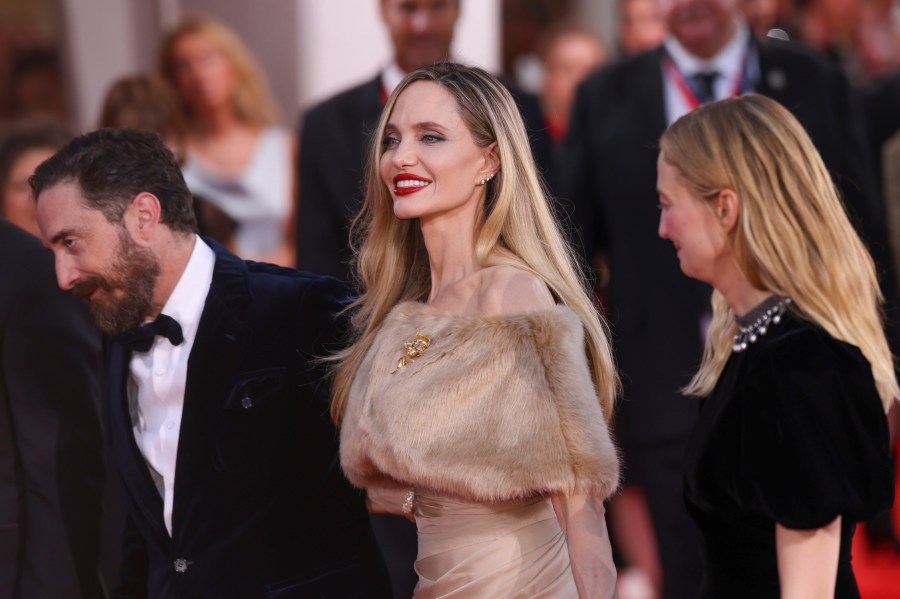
(261, 508)
(609, 171)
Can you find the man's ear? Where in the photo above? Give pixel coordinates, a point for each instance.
(142, 216)
(728, 206)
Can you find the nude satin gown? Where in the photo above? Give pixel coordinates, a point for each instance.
(479, 550)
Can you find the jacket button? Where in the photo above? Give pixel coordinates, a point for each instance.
(181, 566)
(247, 403)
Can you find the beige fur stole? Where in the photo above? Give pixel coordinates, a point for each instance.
(496, 408)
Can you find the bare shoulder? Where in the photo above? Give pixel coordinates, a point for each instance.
(511, 290)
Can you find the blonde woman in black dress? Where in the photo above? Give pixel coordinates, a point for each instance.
(791, 448)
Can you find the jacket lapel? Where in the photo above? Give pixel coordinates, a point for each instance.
(652, 92)
(217, 351)
(649, 94)
(370, 100)
(130, 460)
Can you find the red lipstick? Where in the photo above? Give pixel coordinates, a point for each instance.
(406, 184)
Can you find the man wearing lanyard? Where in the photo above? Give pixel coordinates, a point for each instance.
(657, 315)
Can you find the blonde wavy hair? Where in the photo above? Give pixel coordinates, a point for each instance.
(253, 103)
(792, 236)
(517, 228)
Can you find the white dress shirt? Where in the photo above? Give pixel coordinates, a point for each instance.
(157, 382)
(729, 63)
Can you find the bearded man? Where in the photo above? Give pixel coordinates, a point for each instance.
(211, 375)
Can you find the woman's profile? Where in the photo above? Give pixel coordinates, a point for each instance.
(791, 446)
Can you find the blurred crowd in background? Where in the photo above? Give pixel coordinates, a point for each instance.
(244, 157)
(209, 98)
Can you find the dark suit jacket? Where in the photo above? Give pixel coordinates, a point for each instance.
(51, 447)
(881, 103)
(334, 141)
(609, 168)
(881, 107)
(261, 507)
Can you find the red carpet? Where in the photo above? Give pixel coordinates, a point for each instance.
(878, 572)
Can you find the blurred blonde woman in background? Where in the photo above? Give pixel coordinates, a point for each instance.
(235, 156)
(791, 447)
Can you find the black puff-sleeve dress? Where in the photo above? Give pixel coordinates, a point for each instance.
(795, 434)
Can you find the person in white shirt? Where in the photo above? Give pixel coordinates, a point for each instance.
(218, 408)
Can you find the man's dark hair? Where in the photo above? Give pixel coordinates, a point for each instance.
(112, 166)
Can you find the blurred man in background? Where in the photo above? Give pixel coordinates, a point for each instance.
(658, 318)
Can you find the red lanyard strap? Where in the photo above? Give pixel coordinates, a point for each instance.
(687, 92)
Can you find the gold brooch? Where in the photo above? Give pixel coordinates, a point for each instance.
(414, 349)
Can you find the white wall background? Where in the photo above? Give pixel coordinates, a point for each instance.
(602, 16)
(344, 42)
(309, 49)
(101, 46)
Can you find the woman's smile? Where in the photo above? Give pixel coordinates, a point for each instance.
(405, 184)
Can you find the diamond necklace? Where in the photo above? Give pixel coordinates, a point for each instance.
(755, 323)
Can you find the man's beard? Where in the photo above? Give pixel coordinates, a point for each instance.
(127, 288)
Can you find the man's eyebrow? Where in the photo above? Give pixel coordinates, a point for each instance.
(63, 234)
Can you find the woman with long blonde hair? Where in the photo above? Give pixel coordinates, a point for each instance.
(236, 157)
(791, 448)
(476, 396)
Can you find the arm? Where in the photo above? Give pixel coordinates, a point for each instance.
(387, 500)
(11, 487)
(808, 560)
(582, 520)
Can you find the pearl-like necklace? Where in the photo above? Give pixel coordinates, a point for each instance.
(755, 323)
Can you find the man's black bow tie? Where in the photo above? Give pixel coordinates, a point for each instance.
(141, 338)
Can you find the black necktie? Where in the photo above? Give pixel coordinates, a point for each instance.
(141, 338)
(703, 85)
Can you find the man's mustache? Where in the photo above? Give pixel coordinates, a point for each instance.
(83, 289)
